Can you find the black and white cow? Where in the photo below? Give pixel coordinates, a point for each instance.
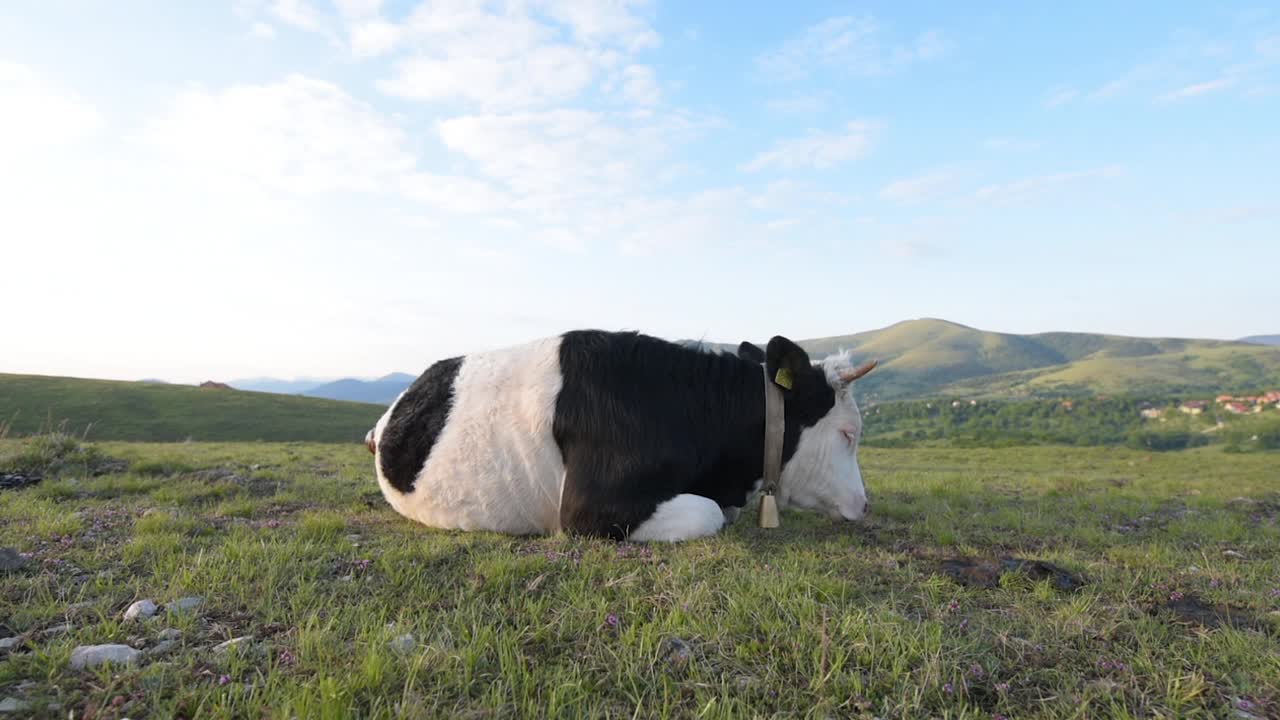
(615, 434)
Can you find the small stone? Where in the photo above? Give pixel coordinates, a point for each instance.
(1233, 554)
(87, 656)
(10, 560)
(141, 609)
(224, 647)
(346, 578)
(58, 630)
(161, 647)
(1192, 569)
(170, 634)
(9, 643)
(12, 705)
(402, 643)
(676, 652)
(184, 604)
(354, 537)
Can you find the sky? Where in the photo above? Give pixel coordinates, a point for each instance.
(325, 188)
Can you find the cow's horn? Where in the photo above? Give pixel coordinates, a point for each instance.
(848, 376)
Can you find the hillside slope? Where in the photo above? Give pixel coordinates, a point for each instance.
(930, 358)
(110, 410)
(382, 391)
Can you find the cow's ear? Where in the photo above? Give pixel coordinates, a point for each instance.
(751, 353)
(786, 362)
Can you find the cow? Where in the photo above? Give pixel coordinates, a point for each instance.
(619, 435)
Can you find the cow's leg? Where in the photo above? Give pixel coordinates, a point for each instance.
(683, 517)
(731, 514)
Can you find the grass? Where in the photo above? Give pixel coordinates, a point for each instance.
(110, 410)
(292, 545)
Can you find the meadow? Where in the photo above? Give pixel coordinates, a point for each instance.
(343, 609)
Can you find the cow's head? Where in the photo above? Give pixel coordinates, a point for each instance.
(820, 449)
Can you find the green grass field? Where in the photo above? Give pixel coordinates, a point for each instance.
(111, 410)
(292, 546)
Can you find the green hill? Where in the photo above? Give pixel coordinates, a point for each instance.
(110, 410)
(931, 358)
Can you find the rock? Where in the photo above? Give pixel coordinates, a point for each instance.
(18, 480)
(161, 648)
(11, 561)
(676, 652)
(1233, 554)
(224, 647)
(87, 656)
(402, 643)
(170, 634)
(141, 609)
(355, 538)
(346, 578)
(10, 643)
(58, 630)
(13, 705)
(184, 604)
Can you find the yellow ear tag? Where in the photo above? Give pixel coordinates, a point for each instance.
(783, 378)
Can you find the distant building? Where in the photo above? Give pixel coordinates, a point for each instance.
(1152, 413)
(1237, 408)
(1223, 399)
(1193, 407)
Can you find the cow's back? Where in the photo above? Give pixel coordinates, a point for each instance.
(470, 446)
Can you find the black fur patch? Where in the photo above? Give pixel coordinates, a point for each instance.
(640, 420)
(415, 424)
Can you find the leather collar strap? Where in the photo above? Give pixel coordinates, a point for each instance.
(774, 424)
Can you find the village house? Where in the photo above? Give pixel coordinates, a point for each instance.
(1237, 408)
(1193, 407)
(1152, 413)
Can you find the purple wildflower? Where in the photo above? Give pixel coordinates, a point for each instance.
(948, 689)
(1002, 687)
(611, 620)
(1175, 596)
(223, 679)
(287, 658)
(976, 670)
(1275, 593)
(953, 606)
(1214, 583)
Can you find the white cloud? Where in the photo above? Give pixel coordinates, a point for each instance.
(545, 75)
(1031, 186)
(262, 30)
(1059, 96)
(298, 13)
(38, 115)
(1197, 89)
(847, 44)
(817, 150)
(920, 188)
(370, 38)
(798, 104)
(640, 85)
(301, 136)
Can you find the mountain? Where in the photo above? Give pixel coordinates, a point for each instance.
(276, 385)
(938, 358)
(1262, 339)
(111, 410)
(382, 391)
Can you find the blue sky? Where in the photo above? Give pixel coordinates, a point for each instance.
(306, 187)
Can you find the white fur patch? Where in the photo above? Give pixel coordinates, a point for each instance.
(496, 465)
(683, 517)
